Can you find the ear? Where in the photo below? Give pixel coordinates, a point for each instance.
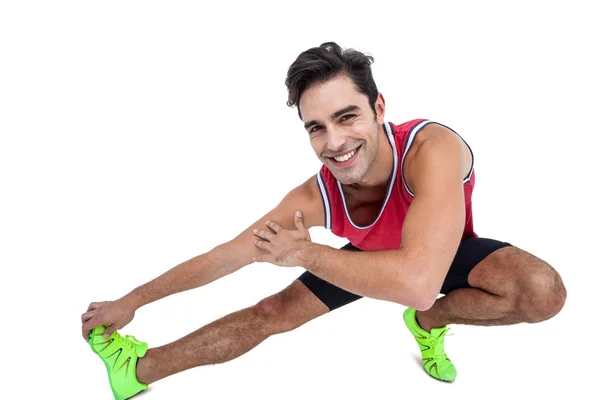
(380, 108)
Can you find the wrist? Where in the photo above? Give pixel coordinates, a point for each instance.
(133, 299)
(308, 254)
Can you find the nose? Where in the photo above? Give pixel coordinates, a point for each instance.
(335, 139)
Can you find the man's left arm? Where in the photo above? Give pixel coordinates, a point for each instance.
(431, 233)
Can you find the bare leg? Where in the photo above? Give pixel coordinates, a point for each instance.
(234, 334)
(510, 286)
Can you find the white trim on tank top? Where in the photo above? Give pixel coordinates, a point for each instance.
(391, 183)
(325, 199)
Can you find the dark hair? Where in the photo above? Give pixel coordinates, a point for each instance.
(320, 64)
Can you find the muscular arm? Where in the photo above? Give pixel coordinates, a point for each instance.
(432, 230)
(233, 255)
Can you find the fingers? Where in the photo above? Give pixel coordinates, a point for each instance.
(88, 320)
(87, 316)
(264, 234)
(299, 221)
(109, 330)
(94, 317)
(274, 226)
(264, 258)
(261, 244)
(87, 327)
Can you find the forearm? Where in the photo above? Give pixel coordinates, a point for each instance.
(382, 275)
(190, 274)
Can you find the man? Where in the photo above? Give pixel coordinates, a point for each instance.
(401, 194)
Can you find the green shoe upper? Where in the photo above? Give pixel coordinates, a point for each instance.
(120, 355)
(435, 361)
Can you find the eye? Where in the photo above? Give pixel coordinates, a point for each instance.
(314, 129)
(347, 117)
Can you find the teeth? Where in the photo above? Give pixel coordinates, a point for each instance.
(345, 157)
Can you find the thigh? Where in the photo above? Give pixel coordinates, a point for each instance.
(471, 252)
(330, 295)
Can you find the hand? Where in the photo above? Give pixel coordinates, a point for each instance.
(284, 247)
(116, 313)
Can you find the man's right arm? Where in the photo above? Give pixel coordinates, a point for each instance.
(233, 255)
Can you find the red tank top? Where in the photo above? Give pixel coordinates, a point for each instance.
(385, 232)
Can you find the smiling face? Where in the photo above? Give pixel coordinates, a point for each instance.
(343, 129)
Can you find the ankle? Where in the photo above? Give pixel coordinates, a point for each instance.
(145, 368)
(425, 322)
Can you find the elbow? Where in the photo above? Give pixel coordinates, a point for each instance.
(419, 296)
(425, 296)
(423, 303)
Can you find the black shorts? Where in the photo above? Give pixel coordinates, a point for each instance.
(470, 252)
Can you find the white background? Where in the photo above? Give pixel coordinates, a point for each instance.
(136, 135)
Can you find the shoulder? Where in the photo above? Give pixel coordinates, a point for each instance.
(305, 197)
(436, 147)
(308, 190)
(433, 133)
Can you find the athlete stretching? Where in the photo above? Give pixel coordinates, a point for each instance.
(401, 195)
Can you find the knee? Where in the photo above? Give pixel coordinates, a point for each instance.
(542, 294)
(272, 313)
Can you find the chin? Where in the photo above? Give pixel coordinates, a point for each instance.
(349, 176)
(345, 180)
(349, 179)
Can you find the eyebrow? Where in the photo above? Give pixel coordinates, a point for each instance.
(334, 115)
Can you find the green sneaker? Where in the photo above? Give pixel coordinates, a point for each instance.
(120, 355)
(435, 361)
